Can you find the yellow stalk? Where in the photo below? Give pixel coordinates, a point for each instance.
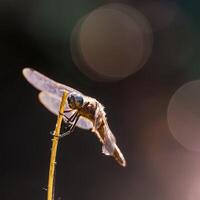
(54, 148)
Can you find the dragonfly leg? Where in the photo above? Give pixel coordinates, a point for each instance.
(65, 111)
(72, 117)
(51, 132)
(71, 126)
(68, 110)
(69, 120)
(64, 134)
(74, 124)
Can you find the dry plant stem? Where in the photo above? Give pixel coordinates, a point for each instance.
(54, 148)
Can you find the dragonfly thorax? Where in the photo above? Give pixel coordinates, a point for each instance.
(75, 100)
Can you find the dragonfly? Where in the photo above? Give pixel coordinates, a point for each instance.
(80, 111)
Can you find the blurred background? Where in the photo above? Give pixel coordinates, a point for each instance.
(138, 58)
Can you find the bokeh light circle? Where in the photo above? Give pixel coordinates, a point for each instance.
(112, 42)
(193, 189)
(184, 115)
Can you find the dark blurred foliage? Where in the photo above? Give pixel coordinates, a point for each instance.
(37, 34)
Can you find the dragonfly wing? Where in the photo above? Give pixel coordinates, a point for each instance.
(108, 140)
(52, 103)
(110, 147)
(104, 151)
(84, 123)
(109, 143)
(43, 83)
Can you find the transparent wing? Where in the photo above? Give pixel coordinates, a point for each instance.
(84, 123)
(109, 142)
(110, 147)
(43, 83)
(52, 103)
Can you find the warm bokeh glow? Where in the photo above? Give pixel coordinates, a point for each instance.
(193, 191)
(113, 42)
(184, 115)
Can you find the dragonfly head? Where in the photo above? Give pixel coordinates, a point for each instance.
(75, 100)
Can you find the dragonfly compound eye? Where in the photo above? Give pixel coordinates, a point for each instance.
(79, 101)
(71, 101)
(75, 100)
